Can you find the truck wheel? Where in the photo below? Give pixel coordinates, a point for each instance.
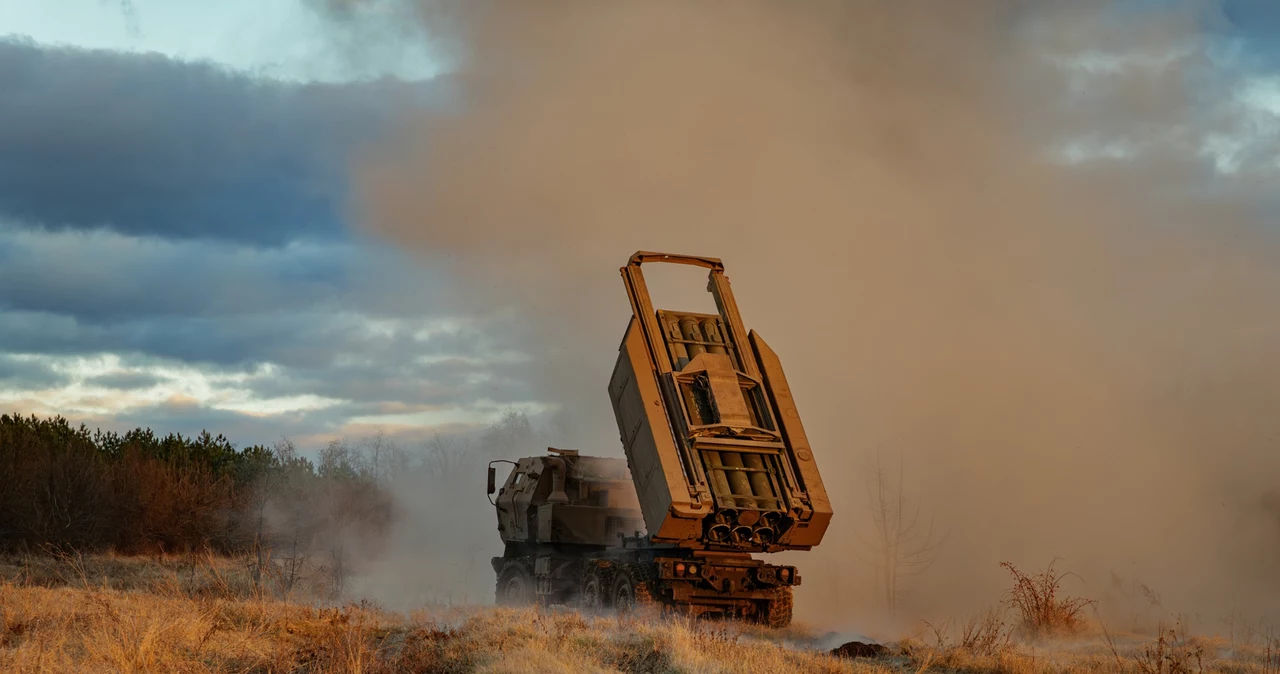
(515, 585)
(631, 589)
(594, 592)
(776, 612)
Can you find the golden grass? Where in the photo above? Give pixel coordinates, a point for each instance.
(109, 614)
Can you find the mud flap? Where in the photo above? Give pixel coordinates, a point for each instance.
(542, 581)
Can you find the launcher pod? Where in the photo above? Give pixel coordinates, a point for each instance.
(716, 447)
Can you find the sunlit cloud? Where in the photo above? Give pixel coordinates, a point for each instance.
(286, 40)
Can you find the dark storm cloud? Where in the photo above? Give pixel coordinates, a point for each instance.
(1254, 27)
(28, 374)
(147, 145)
(1260, 18)
(290, 339)
(102, 278)
(394, 384)
(126, 381)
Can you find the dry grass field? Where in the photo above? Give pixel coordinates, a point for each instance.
(193, 614)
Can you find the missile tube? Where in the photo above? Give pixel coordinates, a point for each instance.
(711, 329)
(720, 484)
(678, 352)
(689, 329)
(760, 486)
(738, 481)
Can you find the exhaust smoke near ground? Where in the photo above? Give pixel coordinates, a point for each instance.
(439, 546)
(993, 240)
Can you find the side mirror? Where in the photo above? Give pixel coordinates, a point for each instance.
(493, 475)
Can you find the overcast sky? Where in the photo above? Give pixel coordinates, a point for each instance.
(174, 250)
(176, 247)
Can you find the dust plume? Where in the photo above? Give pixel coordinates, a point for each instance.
(983, 236)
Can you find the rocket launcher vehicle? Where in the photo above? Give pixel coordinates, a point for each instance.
(712, 435)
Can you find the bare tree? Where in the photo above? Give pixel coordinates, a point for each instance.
(383, 457)
(511, 435)
(443, 455)
(285, 526)
(266, 485)
(903, 546)
(339, 460)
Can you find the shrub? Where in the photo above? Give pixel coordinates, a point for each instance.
(1037, 601)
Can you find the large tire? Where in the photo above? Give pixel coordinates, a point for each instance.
(515, 584)
(594, 591)
(632, 589)
(776, 612)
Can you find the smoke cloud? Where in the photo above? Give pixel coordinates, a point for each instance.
(1001, 240)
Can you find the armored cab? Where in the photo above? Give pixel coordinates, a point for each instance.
(565, 498)
(714, 441)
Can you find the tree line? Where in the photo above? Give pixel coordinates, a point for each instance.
(65, 486)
